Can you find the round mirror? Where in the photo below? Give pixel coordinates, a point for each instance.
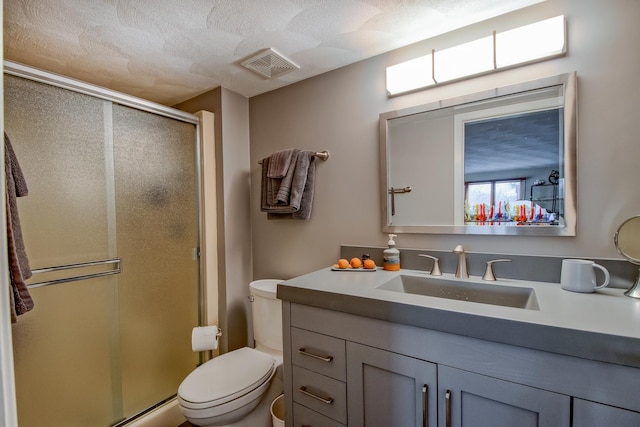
(627, 241)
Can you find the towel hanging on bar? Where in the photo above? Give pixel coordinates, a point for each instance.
(277, 191)
(19, 270)
(306, 202)
(279, 163)
(292, 196)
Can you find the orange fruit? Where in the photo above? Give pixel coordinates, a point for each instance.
(356, 263)
(369, 264)
(343, 263)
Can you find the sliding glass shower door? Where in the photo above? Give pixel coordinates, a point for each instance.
(106, 182)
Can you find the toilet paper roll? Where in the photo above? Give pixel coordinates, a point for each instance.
(205, 338)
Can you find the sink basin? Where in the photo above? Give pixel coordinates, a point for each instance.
(507, 296)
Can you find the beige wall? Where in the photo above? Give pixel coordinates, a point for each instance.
(234, 231)
(338, 111)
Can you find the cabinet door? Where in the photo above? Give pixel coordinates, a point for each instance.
(467, 399)
(591, 414)
(388, 389)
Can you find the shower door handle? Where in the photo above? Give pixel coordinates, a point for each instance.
(117, 269)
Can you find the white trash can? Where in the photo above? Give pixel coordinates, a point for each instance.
(277, 411)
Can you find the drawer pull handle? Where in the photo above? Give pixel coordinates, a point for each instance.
(447, 398)
(304, 352)
(328, 400)
(425, 406)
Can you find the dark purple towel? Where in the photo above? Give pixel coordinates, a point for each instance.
(19, 269)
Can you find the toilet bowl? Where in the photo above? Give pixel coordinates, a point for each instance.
(236, 388)
(226, 388)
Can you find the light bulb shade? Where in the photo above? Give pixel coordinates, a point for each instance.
(409, 75)
(531, 42)
(464, 60)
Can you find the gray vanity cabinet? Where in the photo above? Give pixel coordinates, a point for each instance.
(389, 389)
(592, 414)
(467, 399)
(368, 372)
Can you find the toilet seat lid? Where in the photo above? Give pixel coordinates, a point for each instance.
(227, 377)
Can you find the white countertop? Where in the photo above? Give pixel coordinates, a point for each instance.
(604, 325)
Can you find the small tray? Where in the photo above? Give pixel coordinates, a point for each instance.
(361, 269)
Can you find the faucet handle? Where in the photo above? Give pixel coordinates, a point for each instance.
(488, 273)
(435, 271)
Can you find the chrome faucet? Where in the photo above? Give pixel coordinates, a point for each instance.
(488, 272)
(462, 270)
(435, 270)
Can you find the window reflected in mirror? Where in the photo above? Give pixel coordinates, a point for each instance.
(512, 168)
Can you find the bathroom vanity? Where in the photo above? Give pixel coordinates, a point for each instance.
(360, 350)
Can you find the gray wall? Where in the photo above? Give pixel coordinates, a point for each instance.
(234, 231)
(338, 111)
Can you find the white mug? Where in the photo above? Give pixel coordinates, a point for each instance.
(578, 275)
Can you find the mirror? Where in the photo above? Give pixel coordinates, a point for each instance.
(627, 241)
(496, 162)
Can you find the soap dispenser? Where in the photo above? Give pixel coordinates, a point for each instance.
(391, 255)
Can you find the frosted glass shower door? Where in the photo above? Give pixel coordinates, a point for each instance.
(63, 347)
(104, 181)
(157, 233)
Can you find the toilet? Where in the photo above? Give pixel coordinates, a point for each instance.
(237, 388)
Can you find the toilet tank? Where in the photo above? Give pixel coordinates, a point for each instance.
(267, 314)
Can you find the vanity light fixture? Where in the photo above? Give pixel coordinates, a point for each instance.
(463, 60)
(410, 75)
(531, 43)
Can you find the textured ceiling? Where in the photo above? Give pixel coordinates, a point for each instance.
(168, 51)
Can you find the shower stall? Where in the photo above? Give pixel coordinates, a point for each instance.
(111, 229)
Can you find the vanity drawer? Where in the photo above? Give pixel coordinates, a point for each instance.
(305, 417)
(320, 353)
(322, 394)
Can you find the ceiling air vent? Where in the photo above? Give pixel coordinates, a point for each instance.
(269, 64)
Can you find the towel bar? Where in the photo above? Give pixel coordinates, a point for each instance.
(322, 155)
(116, 270)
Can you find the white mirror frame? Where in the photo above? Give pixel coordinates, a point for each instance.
(569, 84)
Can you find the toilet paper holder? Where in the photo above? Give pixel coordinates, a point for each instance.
(205, 338)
